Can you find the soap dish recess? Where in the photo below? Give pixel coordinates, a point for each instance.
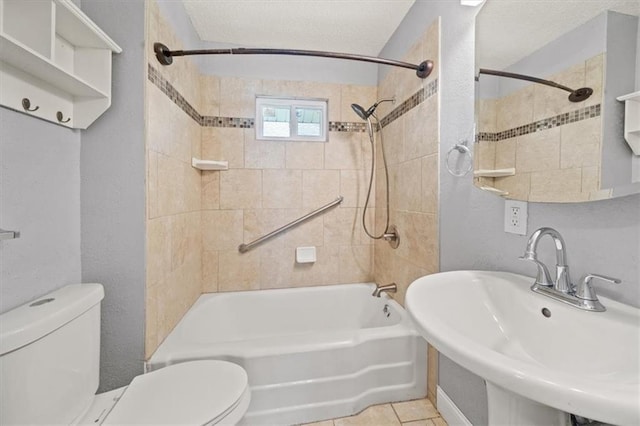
(305, 254)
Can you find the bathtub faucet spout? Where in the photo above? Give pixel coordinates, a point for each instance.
(389, 288)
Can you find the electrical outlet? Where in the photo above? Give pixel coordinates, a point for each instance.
(515, 217)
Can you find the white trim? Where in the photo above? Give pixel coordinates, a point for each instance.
(471, 3)
(450, 411)
(79, 15)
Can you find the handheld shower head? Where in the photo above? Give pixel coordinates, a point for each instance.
(366, 114)
(360, 111)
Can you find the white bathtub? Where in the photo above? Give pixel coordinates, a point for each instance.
(311, 353)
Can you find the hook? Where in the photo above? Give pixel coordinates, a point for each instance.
(59, 116)
(26, 104)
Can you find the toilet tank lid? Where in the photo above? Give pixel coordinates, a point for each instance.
(33, 320)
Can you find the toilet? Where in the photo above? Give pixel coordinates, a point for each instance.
(49, 372)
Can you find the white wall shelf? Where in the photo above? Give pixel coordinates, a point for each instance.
(495, 191)
(632, 120)
(53, 55)
(209, 164)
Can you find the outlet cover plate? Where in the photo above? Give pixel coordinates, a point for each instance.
(515, 217)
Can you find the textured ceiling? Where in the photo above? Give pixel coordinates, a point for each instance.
(508, 30)
(351, 26)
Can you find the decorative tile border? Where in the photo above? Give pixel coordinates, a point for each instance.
(412, 102)
(243, 123)
(345, 126)
(234, 122)
(249, 123)
(172, 93)
(544, 124)
(203, 120)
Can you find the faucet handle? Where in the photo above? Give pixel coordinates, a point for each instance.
(543, 278)
(586, 291)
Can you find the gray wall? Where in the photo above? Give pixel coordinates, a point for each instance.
(40, 197)
(638, 59)
(602, 237)
(635, 173)
(113, 196)
(78, 200)
(620, 78)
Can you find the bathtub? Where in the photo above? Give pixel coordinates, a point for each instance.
(311, 353)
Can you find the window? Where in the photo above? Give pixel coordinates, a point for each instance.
(291, 119)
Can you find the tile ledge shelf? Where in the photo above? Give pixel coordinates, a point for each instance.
(493, 190)
(209, 164)
(494, 172)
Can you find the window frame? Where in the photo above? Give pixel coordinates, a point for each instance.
(293, 103)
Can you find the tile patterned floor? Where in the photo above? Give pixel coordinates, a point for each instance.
(419, 412)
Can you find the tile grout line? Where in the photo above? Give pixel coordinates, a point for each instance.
(396, 413)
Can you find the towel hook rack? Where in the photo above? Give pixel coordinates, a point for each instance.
(26, 104)
(60, 117)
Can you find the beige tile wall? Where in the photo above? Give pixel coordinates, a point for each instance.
(271, 183)
(411, 146)
(174, 242)
(561, 164)
(196, 220)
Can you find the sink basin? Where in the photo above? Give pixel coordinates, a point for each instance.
(575, 361)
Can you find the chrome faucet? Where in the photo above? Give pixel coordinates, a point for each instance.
(583, 296)
(587, 294)
(563, 280)
(389, 288)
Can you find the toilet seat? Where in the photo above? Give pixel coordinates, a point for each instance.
(189, 393)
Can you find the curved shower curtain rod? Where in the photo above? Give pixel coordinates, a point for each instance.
(577, 95)
(165, 56)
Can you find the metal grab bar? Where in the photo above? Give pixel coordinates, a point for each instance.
(243, 248)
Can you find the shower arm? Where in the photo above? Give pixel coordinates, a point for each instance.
(165, 56)
(577, 95)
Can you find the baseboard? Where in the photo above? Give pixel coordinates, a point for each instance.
(450, 411)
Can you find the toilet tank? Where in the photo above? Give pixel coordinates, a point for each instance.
(50, 356)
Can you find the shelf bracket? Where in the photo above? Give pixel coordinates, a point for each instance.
(8, 235)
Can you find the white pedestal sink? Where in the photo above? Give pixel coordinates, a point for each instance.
(541, 358)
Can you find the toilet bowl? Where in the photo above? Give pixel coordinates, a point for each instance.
(54, 343)
(190, 393)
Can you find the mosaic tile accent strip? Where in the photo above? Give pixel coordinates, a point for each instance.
(544, 124)
(172, 93)
(344, 126)
(243, 123)
(167, 88)
(412, 102)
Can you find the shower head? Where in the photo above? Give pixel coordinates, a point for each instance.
(360, 111)
(364, 114)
